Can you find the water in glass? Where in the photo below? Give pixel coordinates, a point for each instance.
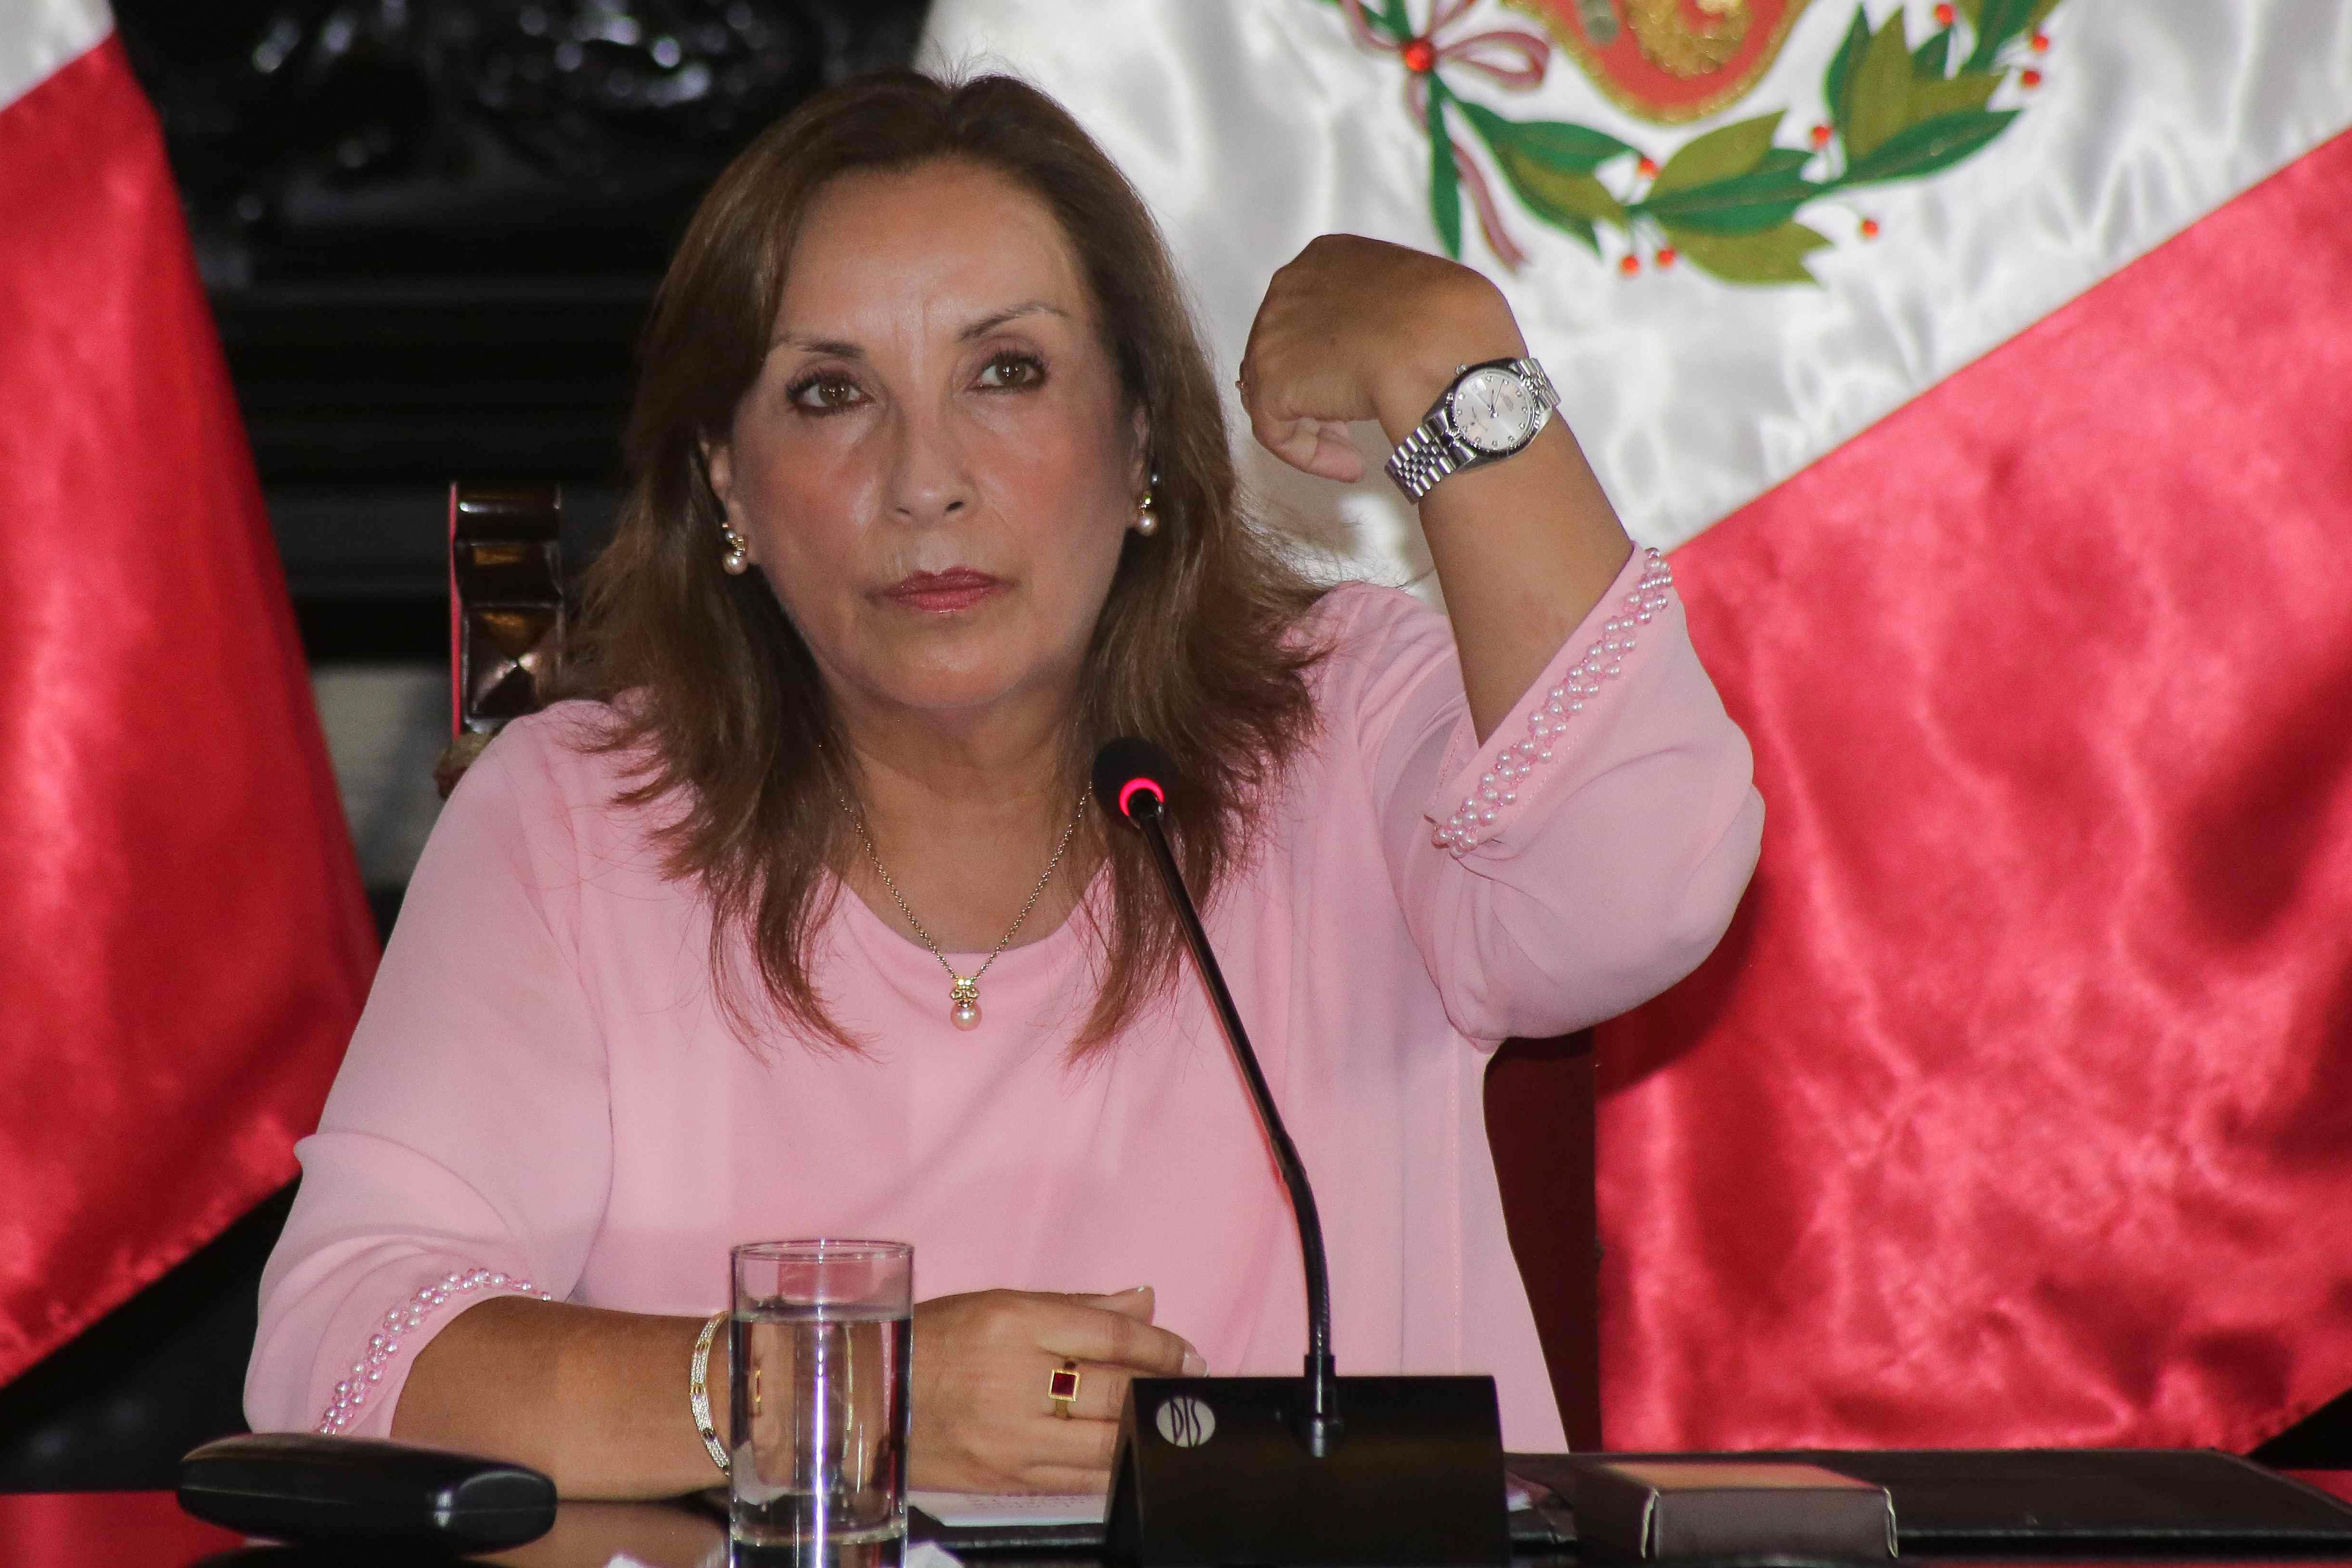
(819, 1396)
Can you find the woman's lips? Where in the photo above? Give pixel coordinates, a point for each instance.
(942, 592)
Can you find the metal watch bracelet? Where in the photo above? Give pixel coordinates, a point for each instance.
(1420, 460)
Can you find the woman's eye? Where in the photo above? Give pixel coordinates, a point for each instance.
(1010, 371)
(824, 393)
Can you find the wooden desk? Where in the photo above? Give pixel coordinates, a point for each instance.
(147, 1530)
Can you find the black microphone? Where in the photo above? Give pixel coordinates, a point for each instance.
(1134, 778)
(1411, 1474)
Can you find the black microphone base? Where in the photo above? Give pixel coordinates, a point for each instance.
(1211, 1470)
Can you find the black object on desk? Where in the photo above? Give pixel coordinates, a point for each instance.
(1711, 1508)
(298, 1487)
(2141, 1500)
(1313, 1471)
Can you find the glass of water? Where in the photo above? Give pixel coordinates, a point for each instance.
(818, 1377)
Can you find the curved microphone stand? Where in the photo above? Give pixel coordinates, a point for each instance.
(1268, 1470)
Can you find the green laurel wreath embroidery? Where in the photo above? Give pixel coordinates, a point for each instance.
(1729, 200)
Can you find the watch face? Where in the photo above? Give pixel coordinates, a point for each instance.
(1494, 411)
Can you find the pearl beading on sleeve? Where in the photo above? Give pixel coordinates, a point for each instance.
(1476, 819)
(352, 1393)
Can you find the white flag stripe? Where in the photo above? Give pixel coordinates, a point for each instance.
(37, 36)
(1253, 125)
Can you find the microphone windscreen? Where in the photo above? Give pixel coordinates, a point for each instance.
(1128, 767)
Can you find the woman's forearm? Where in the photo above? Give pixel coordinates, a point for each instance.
(596, 1399)
(1524, 548)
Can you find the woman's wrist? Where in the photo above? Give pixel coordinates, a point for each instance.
(1464, 322)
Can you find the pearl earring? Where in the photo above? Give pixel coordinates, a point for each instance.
(1147, 521)
(738, 557)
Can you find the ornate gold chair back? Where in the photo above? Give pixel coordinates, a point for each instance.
(506, 612)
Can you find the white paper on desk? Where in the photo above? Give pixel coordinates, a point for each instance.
(997, 1509)
(920, 1554)
(966, 1509)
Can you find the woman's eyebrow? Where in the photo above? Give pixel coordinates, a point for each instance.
(832, 347)
(838, 348)
(996, 319)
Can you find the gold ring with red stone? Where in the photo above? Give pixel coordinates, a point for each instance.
(1062, 1388)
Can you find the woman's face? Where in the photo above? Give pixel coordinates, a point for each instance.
(936, 467)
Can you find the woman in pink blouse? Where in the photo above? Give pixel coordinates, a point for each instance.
(801, 924)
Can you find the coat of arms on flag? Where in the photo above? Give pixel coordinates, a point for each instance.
(1729, 199)
(1669, 60)
(1990, 401)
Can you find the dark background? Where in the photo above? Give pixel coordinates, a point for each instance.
(430, 230)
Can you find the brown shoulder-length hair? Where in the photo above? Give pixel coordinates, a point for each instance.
(716, 698)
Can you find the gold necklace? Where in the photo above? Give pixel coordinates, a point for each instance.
(963, 995)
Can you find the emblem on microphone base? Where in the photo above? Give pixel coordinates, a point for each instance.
(1185, 1421)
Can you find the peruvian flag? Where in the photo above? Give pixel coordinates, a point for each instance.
(183, 943)
(1988, 368)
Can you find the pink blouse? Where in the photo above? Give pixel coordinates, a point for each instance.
(543, 1097)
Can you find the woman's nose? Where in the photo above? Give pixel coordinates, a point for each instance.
(930, 480)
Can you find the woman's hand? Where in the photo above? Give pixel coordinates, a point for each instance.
(982, 1421)
(1356, 329)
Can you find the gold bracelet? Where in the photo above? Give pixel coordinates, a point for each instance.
(697, 1389)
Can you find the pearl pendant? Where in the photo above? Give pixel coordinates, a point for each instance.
(965, 1012)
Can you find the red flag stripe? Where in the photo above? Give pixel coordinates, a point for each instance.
(187, 944)
(2017, 1106)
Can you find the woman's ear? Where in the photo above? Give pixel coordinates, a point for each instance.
(1139, 469)
(719, 469)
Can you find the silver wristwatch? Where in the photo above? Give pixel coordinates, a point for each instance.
(1491, 411)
